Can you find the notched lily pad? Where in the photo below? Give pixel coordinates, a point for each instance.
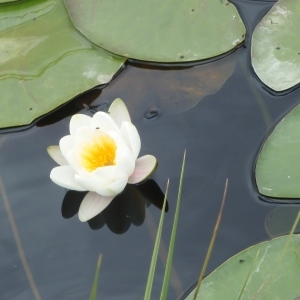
(168, 31)
(271, 274)
(276, 46)
(278, 164)
(44, 61)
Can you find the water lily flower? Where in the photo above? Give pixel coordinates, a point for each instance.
(100, 156)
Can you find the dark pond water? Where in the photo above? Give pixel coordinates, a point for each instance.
(218, 111)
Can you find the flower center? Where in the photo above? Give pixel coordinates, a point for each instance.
(100, 152)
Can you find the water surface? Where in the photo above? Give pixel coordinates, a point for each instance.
(221, 123)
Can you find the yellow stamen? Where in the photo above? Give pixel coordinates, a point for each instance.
(100, 152)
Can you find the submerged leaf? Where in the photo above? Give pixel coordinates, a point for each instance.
(168, 31)
(44, 61)
(265, 278)
(279, 220)
(277, 168)
(276, 46)
(172, 90)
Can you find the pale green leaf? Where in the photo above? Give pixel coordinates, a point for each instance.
(274, 275)
(44, 61)
(276, 46)
(278, 164)
(160, 31)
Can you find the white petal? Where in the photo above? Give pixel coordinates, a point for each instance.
(125, 161)
(132, 138)
(144, 167)
(74, 162)
(64, 176)
(113, 189)
(56, 155)
(104, 122)
(78, 121)
(87, 135)
(92, 205)
(91, 183)
(107, 172)
(118, 111)
(66, 144)
(107, 181)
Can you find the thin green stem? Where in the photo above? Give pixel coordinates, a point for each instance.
(18, 242)
(95, 283)
(166, 280)
(211, 245)
(155, 250)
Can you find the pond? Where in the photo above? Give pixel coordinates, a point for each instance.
(218, 111)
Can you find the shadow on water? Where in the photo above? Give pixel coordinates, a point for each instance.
(218, 111)
(126, 208)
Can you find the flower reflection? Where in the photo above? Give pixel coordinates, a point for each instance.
(127, 208)
(100, 156)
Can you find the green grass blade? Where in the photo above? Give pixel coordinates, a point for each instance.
(166, 280)
(155, 250)
(213, 238)
(95, 283)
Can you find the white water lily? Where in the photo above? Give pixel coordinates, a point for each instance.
(100, 156)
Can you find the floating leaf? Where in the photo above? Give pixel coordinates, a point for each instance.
(151, 30)
(278, 164)
(44, 61)
(276, 46)
(270, 270)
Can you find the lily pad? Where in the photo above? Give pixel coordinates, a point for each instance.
(168, 31)
(271, 274)
(276, 46)
(44, 61)
(278, 164)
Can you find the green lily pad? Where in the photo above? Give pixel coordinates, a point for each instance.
(278, 164)
(168, 31)
(276, 46)
(272, 274)
(44, 61)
